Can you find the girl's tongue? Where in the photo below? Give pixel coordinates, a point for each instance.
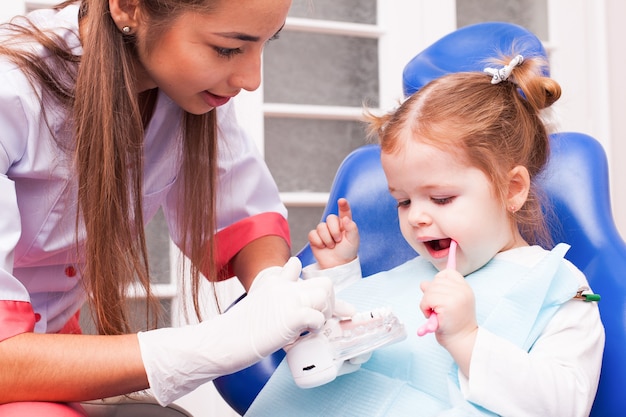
(439, 247)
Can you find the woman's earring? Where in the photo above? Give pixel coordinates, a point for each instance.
(126, 30)
(513, 209)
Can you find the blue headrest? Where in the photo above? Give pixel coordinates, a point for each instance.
(468, 49)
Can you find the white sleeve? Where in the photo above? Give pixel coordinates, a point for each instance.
(559, 376)
(342, 276)
(16, 313)
(13, 136)
(246, 185)
(10, 288)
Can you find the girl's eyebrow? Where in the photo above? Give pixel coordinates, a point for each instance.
(245, 37)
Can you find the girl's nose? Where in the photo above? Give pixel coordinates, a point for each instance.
(418, 217)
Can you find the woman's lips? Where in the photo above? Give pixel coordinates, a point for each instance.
(214, 100)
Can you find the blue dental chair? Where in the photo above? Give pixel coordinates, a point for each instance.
(576, 181)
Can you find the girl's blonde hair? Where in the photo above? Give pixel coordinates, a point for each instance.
(494, 126)
(99, 91)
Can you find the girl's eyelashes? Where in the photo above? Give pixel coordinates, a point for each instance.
(442, 200)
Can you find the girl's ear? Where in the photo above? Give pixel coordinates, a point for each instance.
(519, 187)
(124, 13)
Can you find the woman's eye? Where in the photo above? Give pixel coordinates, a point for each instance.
(442, 200)
(275, 37)
(227, 52)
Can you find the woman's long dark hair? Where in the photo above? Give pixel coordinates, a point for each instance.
(99, 91)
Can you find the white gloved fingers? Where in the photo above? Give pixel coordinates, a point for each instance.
(343, 309)
(291, 270)
(305, 319)
(288, 272)
(264, 276)
(283, 308)
(319, 294)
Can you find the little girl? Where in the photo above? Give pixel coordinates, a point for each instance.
(461, 157)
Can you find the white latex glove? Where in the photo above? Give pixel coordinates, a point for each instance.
(343, 309)
(277, 309)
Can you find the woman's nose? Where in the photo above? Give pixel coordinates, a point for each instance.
(247, 75)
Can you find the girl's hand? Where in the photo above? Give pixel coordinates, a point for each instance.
(336, 241)
(449, 295)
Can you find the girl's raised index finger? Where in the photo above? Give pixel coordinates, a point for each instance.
(344, 208)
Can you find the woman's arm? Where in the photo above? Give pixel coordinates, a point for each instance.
(261, 253)
(59, 367)
(172, 361)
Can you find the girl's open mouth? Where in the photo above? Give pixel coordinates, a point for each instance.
(438, 248)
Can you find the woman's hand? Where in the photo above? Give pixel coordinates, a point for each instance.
(277, 309)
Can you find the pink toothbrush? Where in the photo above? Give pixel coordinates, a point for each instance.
(432, 323)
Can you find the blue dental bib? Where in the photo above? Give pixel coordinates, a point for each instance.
(418, 376)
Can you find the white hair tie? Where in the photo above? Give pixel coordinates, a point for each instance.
(503, 73)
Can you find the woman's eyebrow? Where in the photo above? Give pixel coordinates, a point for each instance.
(239, 36)
(245, 37)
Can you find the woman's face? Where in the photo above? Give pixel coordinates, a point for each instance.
(203, 60)
(440, 198)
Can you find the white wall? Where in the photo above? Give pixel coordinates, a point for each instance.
(616, 62)
(11, 8)
(587, 37)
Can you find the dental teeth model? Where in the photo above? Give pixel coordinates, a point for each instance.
(341, 345)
